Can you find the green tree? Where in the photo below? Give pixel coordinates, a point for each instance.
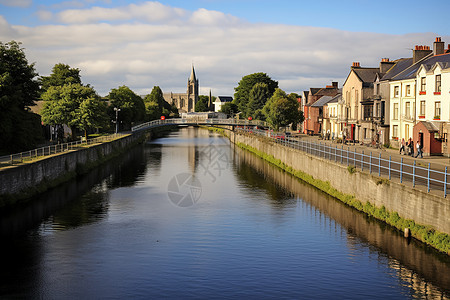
(91, 115)
(229, 108)
(19, 128)
(62, 74)
(203, 103)
(242, 91)
(282, 110)
(131, 105)
(64, 105)
(259, 94)
(156, 106)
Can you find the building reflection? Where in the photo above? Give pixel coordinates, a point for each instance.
(422, 269)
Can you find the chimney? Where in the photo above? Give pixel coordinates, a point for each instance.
(420, 52)
(385, 65)
(438, 46)
(448, 49)
(355, 64)
(335, 84)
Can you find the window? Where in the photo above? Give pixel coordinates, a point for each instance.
(407, 130)
(396, 91)
(437, 110)
(423, 84)
(395, 131)
(378, 88)
(395, 116)
(438, 83)
(377, 110)
(368, 112)
(408, 109)
(422, 108)
(408, 90)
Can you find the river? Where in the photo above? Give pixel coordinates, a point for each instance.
(189, 216)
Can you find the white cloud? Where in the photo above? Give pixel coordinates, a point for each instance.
(17, 3)
(159, 49)
(150, 12)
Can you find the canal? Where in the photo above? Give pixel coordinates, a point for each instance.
(189, 216)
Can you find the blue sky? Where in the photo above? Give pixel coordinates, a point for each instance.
(140, 44)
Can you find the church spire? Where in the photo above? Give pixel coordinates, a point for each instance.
(192, 78)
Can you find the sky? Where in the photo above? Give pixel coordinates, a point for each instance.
(141, 44)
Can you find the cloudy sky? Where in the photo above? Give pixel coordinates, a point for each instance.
(301, 44)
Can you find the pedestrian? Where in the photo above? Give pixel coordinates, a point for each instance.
(411, 147)
(419, 150)
(403, 147)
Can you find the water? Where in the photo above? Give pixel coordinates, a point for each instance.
(246, 230)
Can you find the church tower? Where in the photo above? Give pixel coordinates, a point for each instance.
(192, 91)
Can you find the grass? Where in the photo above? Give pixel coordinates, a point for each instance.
(426, 234)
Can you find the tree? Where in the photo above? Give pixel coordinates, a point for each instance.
(282, 110)
(91, 115)
(62, 74)
(229, 108)
(19, 128)
(156, 106)
(132, 107)
(259, 94)
(242, 91)
(202, 103)
(65, 105)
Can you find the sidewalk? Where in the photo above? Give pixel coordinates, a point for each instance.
(437, 162)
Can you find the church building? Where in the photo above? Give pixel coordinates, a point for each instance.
(185, 102)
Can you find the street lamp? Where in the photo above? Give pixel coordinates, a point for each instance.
(117, 117)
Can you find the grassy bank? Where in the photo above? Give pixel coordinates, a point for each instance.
(426, 234)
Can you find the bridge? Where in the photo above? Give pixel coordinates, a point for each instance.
(198, 121)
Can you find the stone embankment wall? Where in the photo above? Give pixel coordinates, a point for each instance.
(25, 180)
(410, 203)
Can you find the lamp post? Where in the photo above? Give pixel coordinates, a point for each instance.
(117, 117)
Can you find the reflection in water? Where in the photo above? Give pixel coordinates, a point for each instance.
(256, 232)
(417, 266)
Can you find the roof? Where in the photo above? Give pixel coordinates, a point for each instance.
(428, 62)
(400, 65)
(192, 78)
(224, 99)
(430, 126)
(322, 101)
(366, 74)
(335, 99)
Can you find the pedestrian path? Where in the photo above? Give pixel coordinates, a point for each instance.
(437, 162)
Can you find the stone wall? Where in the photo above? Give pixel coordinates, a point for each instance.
(27, 179)
(410, 203)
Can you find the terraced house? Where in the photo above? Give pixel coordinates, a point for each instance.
(419, 100)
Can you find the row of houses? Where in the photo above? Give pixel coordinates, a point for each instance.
(400, 99)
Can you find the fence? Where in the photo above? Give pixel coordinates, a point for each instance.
(53, 149)
(199, 121)
(429, 178)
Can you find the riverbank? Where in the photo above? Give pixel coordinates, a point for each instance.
(385, 200)
(23, 181)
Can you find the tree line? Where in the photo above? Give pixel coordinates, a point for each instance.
(257, 96)
(67, 100)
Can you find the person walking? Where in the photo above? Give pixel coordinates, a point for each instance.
(411, 147)
(403, 147)
(419, 150)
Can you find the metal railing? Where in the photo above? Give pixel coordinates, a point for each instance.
(53, 149)
(388, 167)
(198, 121)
